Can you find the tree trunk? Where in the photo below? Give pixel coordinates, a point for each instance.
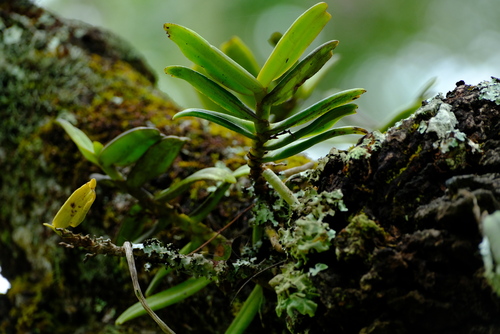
(406, 251)
(405, 257)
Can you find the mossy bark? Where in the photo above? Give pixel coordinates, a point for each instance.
(50, 66)
(405, 256)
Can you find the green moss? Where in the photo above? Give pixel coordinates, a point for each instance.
(55, 67)
(357, 241)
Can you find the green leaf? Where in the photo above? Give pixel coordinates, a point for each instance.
(304, 144)
(132, 225)
(294, 42)
(211, 173)
(238, 51)
(219, 66)
(210, 203)
(157, 159)
(242, 171)
(81, 140)
(304, 70)
(235, 124)
(317, 109)
(319, 125)
(305, 91)
(165, 298)
(213, 91)
(97, 147)
(247, 312)
(129, 146)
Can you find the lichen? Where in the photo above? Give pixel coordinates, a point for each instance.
(370, 143)
(309, 233)
(295, 292)
(490, 90)
(444, 124)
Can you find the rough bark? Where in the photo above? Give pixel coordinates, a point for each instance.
(50, 66)
(405, 257)
(406, 252)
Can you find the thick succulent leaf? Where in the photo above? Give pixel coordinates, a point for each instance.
(205, 101)
(242, 171)
(317, 109)
(81, 140)
(157, 159)
(294, 42)
(213, 91)
(306, 90)
(218, 65)
(165, 298)
(97, 147)
(207, 174)
(129, 146)
(247, 312)
(319, 125)
(329, 119)
(238, 51)
(211, 202)
(132, 225)
(235, 124)
(304, 70)
(304, 144)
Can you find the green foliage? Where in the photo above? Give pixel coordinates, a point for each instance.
(259, 104)
(165, 298)
(247, 312)
(277, 82)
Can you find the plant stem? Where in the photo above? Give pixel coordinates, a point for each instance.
(257, 151)
(280, 187)
(138, 292)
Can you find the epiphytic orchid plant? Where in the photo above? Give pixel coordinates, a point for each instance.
(250, 99)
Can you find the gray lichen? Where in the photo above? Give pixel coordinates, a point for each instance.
(490, 90)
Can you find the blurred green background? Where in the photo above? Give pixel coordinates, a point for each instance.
(390, 47)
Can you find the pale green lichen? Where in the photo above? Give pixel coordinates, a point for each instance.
(368, 145)
(263, 214)
(295, 292)
(317, 268)
(490, 90)
(195, 264)
(443, 124)
(309, 232)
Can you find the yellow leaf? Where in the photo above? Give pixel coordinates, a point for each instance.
(74, 210)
